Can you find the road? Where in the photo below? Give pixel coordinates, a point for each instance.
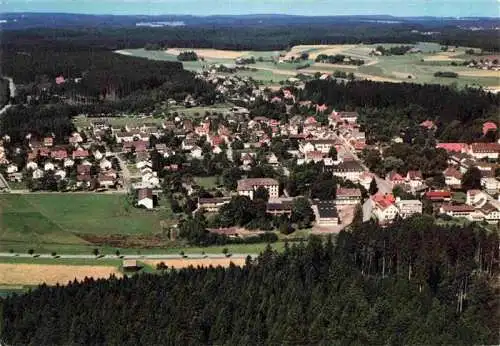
(146, 256)
(12, 88)
(125, 173)
(382, 184)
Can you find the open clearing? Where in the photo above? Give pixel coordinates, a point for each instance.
(36, 220)
(206, 262)
(421, 66)
(51, 274)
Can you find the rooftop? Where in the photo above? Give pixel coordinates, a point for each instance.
(250, 184)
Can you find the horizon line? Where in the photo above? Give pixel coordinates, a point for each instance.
(248, 14)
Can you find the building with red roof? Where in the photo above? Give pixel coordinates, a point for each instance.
(453, 147)
(485, 150)
(438, 196)
(489, 126)
(383, 207)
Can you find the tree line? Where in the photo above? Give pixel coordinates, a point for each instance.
(412, 283)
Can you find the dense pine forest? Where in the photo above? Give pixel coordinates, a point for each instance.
(391, 108)
(411, 283)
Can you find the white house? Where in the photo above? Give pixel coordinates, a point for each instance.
(49, 166)
(12, 169)
(383, 208)
(196, 152)
(452, 177)
(347, 196)
(145, 198)
(408, 207)
(98, 155)
(105, 164)
(246, 187)
(37, 174)
(490, 184)
(60, 173)
(69, 163)
(476, 198)
(31, 165)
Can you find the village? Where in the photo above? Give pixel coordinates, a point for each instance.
(136, 159)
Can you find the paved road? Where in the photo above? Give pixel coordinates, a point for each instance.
(145, 256)
(125, 173)
(12, 88)
(383, 185)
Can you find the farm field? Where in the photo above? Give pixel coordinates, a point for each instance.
(38, 220)
(51, 274)
(416, 68)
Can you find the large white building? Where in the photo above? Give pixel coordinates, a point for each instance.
(408, 207)
(247, 187)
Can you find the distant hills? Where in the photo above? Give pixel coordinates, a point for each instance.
(17, 21)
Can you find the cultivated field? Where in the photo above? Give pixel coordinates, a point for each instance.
(419, 66)
(51, 274)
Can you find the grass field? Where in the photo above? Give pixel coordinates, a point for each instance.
(38, 220)
(420, 66)
(206, 182)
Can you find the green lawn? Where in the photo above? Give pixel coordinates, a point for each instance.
(39, 220)
(206, 182)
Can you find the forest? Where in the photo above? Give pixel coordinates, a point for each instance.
(249, 34)
(4, 92)
(392, 108)
(411, 283)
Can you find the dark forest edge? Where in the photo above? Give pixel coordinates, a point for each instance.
(412, 283)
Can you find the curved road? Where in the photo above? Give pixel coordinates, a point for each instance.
(12, 88)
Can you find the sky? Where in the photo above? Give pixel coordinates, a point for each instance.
(440, 8)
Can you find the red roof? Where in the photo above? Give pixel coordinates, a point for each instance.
(428, 124)
(438, 194)
(344, 192)
(452, 172)
(321, 108)
(216, 140)
(456, 147)
(383, 201)
(310, 120)
(59, 154)
(79, 153)
(458, 208)
(395, 176)
(489, 126)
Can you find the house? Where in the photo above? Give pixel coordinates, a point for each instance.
(489, 126)
(365, 179)
(60, 174)
(490, 184)
(349, 170)
(272, 159)
(68, 162)
(145, 198)
(428, 124)
(80, 154)
(31, 165)
(349, 117)
(196, 152)
(315, 156)
(453, 178)
(247, 159)
(280, 207)
(490, 212)
(59, 154)
(212, 205)
(98, 155)
(476, 198)
(438, 196)
(485, 150)
(383, 207)
(394, 178)
(161, 148)
(122, 137)
(105, 164)
(75, 138)
(323, 145)
(246, 187)
(453, 147)
(136, 146)
(461, 210)
(49, 166)
(188, 144)
(83, 170)
(327, 213)
(11, 169)
(48, 141)
(37, 174)
(408, 207)
(105, 181)
(415, 180)
(348, 196)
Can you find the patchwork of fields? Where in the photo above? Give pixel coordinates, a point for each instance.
(416, 68)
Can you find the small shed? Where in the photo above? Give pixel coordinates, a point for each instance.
(131, 265)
